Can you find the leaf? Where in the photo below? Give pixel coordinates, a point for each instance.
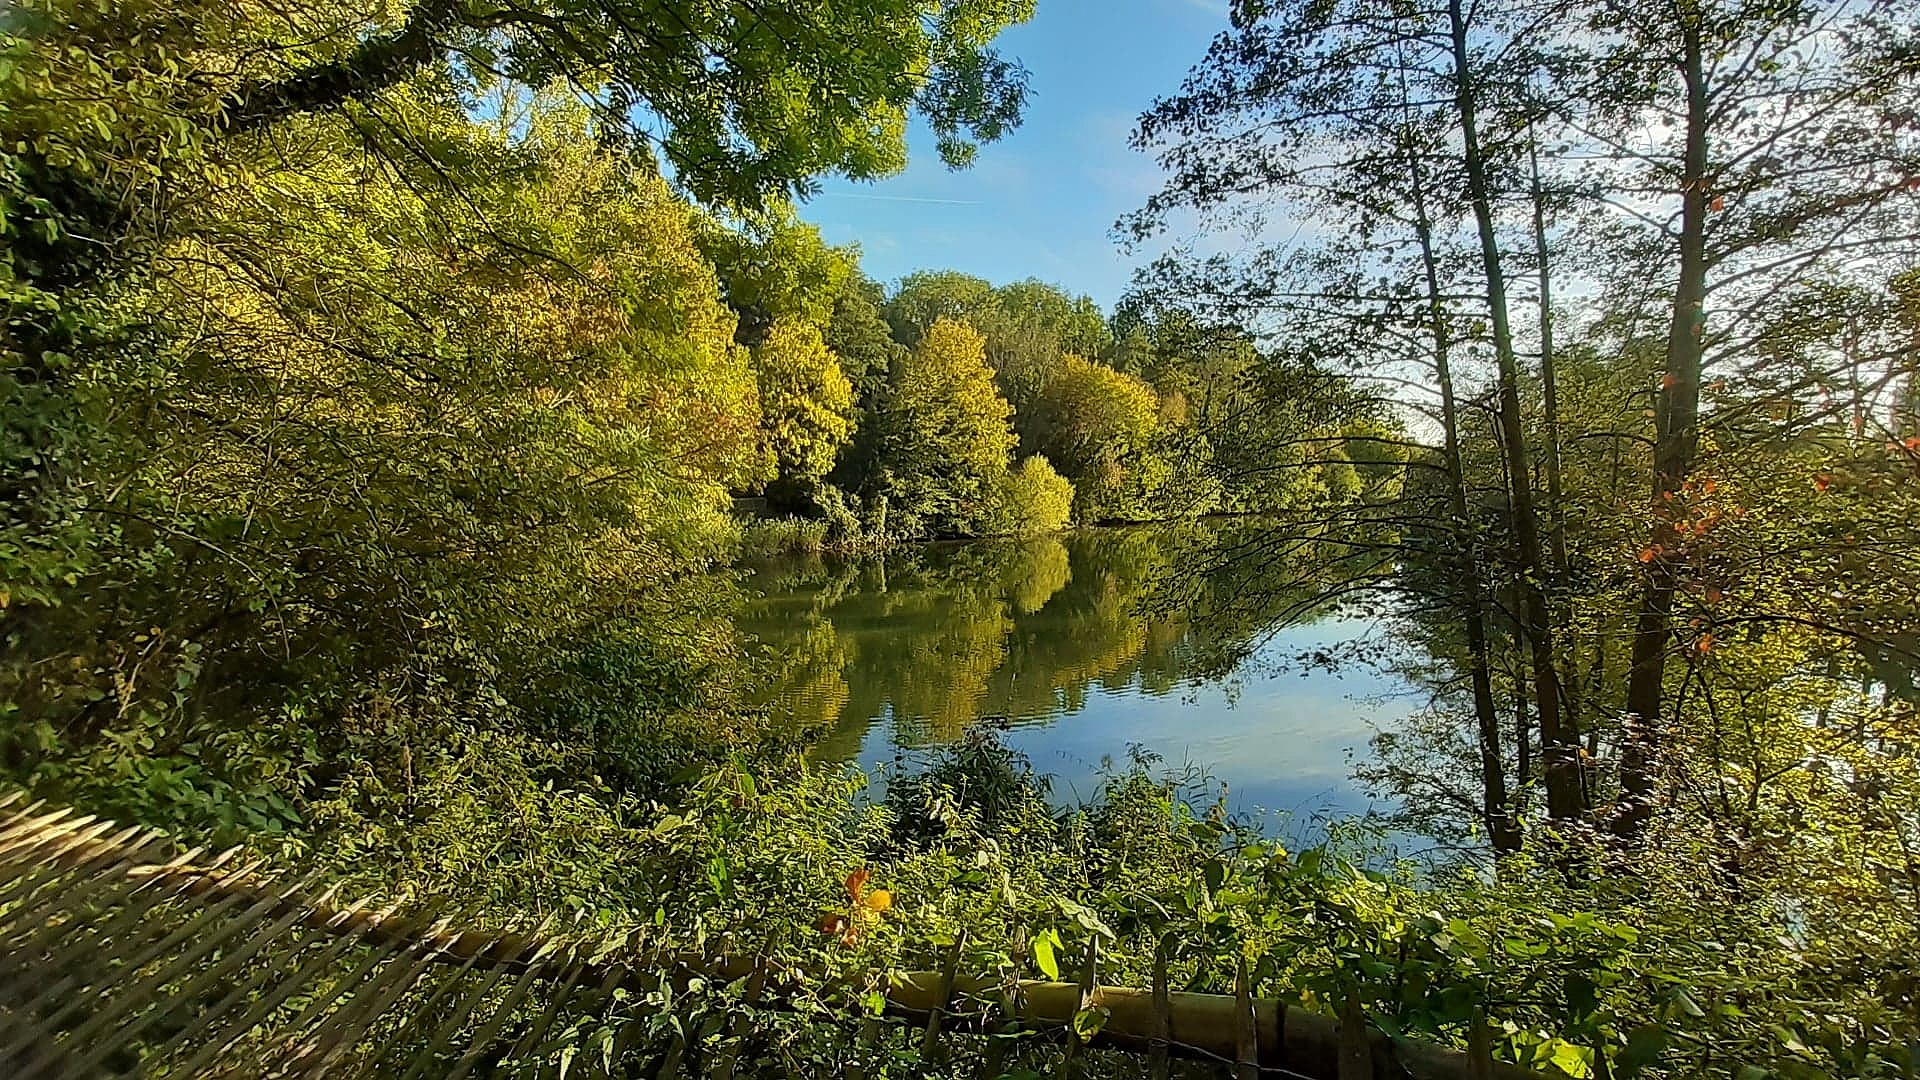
(1570, 1059)
(1088, 1022)
(1084, 916)
(1043, 957)
(1643, 1047)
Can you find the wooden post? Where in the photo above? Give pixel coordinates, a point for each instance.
(1070, 1065)
(1158, 1063)
(1356, 1057)
(993, 1061)
(931, 1049)
(1479, 1046)
(1246, 1036)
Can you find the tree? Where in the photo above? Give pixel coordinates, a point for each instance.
(1353, 110)
(949, 428)
(860, 337)
(376, 436)
(1028, 325)
(806, 402)
(749, 98)
(1099, 425)
(775, 266)
(927, 296)
(1776, 164)
(1028, 500)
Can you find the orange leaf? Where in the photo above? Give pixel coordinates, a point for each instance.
(1821, 481)
(1719, 202)
(1667, 381)
(1705, 643)
(1649, 554)
(1709, 487)
(1713, 596)
(857, 883)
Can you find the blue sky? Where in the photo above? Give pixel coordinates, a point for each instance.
(1042, 202)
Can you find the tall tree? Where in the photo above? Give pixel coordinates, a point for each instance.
(806, 402)
(1558, 752)
(1779, 160)
(949, 430)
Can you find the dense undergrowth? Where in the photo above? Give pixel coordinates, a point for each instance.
(1590, 973)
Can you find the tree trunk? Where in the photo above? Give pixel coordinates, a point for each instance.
(1502, 824)
(1559, 761)
(1676, 438)
(1550, 456)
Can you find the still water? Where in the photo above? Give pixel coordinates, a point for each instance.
(886, 656)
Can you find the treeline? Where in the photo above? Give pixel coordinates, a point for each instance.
(949, 406)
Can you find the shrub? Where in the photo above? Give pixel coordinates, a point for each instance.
(1028, 500)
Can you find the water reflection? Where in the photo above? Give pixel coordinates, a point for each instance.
(887, 654)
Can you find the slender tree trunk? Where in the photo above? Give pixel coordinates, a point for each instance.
(1559, 596)
(1676, 438)
(1560, 763)
(1522, 728)
(1501, 822)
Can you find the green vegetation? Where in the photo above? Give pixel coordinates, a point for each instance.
(377, 385)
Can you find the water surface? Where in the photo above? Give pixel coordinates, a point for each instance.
(1059, 638)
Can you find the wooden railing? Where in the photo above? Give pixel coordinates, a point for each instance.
(121, 955)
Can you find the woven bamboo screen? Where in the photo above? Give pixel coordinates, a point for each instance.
(120, 954)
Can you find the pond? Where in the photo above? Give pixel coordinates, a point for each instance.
(1058, 639)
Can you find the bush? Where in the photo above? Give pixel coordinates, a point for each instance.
(1027, 500)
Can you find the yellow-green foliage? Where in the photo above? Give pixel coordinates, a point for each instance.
(806, 402)
(952, 428)
(1098, 424)
(1027, 500)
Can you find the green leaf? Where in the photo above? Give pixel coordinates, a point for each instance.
(1084, 916)
(1570, 1059)
(1043, 957)
(1643, 1047)
(1088, 1022)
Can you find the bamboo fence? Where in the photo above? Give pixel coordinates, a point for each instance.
(120, 955)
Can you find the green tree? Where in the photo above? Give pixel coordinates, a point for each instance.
(949, 428)
(774, 267)
(1028, 500)
(806, 402)
(748, 98)
(927, 296)
(1099, 425)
